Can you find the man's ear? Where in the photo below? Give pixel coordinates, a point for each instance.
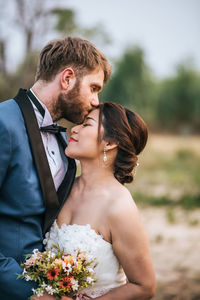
(67, 79)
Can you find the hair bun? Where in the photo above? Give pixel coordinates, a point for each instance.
(123, 177)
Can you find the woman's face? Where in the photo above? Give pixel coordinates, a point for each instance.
(83, 143)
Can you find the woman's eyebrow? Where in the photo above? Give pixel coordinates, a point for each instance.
(89, 118)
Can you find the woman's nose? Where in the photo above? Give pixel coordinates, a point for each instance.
(75, 129)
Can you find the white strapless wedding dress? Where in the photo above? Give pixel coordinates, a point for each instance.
(109, 273)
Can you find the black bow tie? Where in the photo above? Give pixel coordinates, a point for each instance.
(54, 128)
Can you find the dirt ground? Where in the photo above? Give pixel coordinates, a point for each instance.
(175, 247)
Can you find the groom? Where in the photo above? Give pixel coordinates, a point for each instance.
(35, 175)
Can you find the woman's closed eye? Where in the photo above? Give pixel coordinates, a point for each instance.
(86, 124)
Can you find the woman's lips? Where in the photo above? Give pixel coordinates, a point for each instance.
(72, 140)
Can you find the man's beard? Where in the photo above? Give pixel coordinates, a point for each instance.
(71, 106)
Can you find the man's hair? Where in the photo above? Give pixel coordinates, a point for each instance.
(75, 52)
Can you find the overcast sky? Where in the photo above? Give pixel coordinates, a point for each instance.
(168, 30)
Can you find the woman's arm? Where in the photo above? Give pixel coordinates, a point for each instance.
(130, 245)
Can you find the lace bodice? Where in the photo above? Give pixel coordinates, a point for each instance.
(109, 273)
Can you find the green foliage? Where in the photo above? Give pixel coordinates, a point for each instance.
(186, 201)
(23, 77)
(178, 104)
(170, 105)
(194, 222)
(97, 33)
(5, 87)
(170, 214)
(132, 84)
(190, 201)
(65, 20)
(66, 23)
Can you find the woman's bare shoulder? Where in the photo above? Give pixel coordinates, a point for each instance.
(121, 202)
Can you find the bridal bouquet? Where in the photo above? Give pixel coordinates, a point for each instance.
(59, 274)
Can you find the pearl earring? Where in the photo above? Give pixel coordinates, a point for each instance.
(104, 155)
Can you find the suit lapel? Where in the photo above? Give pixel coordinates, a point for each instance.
(40, 158)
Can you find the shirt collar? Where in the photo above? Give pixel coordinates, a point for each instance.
(47, 120)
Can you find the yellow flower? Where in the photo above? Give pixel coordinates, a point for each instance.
(78, 266)
(58, 262)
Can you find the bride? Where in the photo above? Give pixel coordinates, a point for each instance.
(100, 216)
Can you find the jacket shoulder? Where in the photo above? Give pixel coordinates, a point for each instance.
(9, 111)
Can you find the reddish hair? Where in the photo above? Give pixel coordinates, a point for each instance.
(73, 52)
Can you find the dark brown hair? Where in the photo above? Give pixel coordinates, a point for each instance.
(129, 131)
(73, 52)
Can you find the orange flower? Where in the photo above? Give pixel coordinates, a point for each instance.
(53, 273)
(68, 259)
(66, 282)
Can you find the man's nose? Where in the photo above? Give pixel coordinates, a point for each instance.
(95, 100)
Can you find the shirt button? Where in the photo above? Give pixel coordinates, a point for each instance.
(53, 152)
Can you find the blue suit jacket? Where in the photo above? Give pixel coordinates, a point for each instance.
(22, 205)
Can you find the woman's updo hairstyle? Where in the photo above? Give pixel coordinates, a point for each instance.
(129, 131)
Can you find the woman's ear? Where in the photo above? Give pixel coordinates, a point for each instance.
(67, 79)
(111, 146)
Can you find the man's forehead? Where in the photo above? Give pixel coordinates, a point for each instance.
(97, 75)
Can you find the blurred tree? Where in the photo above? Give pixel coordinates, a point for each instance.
(132, 84)
(31, 18)
(22, 77)
(65, 20)
(35, 19)
(178, 106)
(2, 57)
(66, 24)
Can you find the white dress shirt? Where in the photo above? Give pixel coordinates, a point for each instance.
(58, 164)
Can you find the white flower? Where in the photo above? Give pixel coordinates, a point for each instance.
(49, 290)
(43, 285)
(31, 261)
(90, 270)
(51, 254)
(39, 294)
(27, 278)
(64, 266)
(24, 272)
(69, 267)
(35, 253)
(74, 284)
(90, 279)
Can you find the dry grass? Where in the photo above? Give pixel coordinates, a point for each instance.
(169, 168)
(170, 171)
(168, 144)
(175, 249)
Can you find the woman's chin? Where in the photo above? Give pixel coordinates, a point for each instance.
(68, 153)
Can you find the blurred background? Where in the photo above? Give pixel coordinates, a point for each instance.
(154, 48)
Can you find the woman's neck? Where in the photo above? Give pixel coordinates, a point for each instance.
(94, 175)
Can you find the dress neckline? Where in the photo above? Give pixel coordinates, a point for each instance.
(82, 226)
